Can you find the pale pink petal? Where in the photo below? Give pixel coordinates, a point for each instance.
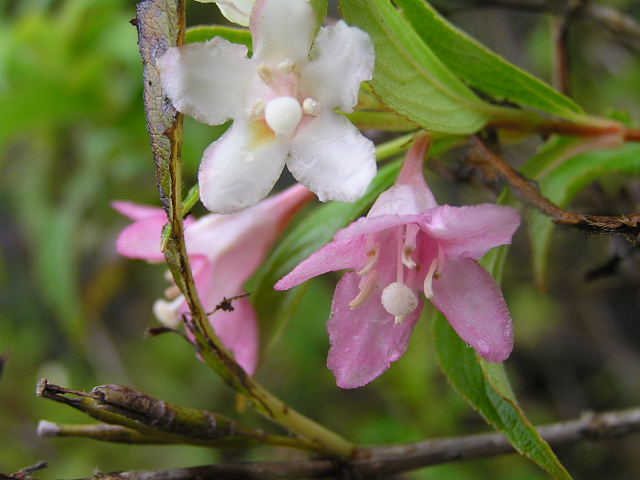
(135, 211)
(364, 340)
(282, 29)
(342, 58)
(236, 11)
(238, 331)
(371, 225)
(255, 228)
(208, 81)
(240, 169)
(336, 255)
(332, 158)
(471, 231)
(474, 306)
(142, 239)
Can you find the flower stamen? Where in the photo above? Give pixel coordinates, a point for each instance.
(365, 290)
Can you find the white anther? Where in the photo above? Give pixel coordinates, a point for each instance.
(407, 260)
(398, 300)
(433, 273)
(365, 291)
(167, 313)
(257, 109)
(311, 106)
(285, 66)
(283, 115)
(373, 259)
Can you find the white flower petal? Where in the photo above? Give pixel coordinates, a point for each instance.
(332, 158)
(343, 57)
(240, 168)
(282, 29)
(208, 81)
(236, 11)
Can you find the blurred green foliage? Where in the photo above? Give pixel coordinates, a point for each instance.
(73, 138)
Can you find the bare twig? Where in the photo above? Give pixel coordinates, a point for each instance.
(25, 473)
(619, 24)
(626, 225)
(145, 419)
(380, 461)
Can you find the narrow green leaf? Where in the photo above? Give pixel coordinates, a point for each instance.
(564, 182)
(202, 33)
(482, 68)
(409, 77)
(485, 387)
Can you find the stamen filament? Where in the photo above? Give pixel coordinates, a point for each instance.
(365, 290)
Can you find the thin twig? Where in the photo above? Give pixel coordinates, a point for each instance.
(619, 24)
(625, 225)
(380, 461)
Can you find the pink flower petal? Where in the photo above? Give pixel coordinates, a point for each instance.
(336, 255)
(332, 158)
(135, 211)
(240, 169)
(208, 81)
(371, 225)
(474, 306)
(142, 239)
(343, 57)
(238, 331)
(471, 231)
(282, 29)
(364, 340)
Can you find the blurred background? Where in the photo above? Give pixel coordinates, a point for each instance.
(73, 139)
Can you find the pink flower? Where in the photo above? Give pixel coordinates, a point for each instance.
(224, 251)
(407, 244)
(282, 101)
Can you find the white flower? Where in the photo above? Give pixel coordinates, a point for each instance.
(282, 101)
(236, 11)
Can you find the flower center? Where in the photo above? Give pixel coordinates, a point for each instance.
(398, 300)
(283, 115)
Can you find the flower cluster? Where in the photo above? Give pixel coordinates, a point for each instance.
(283, 102)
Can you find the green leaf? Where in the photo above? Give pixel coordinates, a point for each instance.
(486, 388)
(409, 77)
(564, 182)
(202, 33)
(480, 67)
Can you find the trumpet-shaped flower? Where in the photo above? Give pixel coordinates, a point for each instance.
(224, 251)
(282, 103)
(405, 245)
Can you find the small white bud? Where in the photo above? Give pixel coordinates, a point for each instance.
(167, 313)
(47, 429)
(283, 115)
(398, 299)
(311, 106)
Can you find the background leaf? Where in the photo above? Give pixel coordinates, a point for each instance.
(409, 77)
(480, 67)
(563, 182)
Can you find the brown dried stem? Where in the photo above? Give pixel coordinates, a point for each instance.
(625, 225)
(375, 462)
